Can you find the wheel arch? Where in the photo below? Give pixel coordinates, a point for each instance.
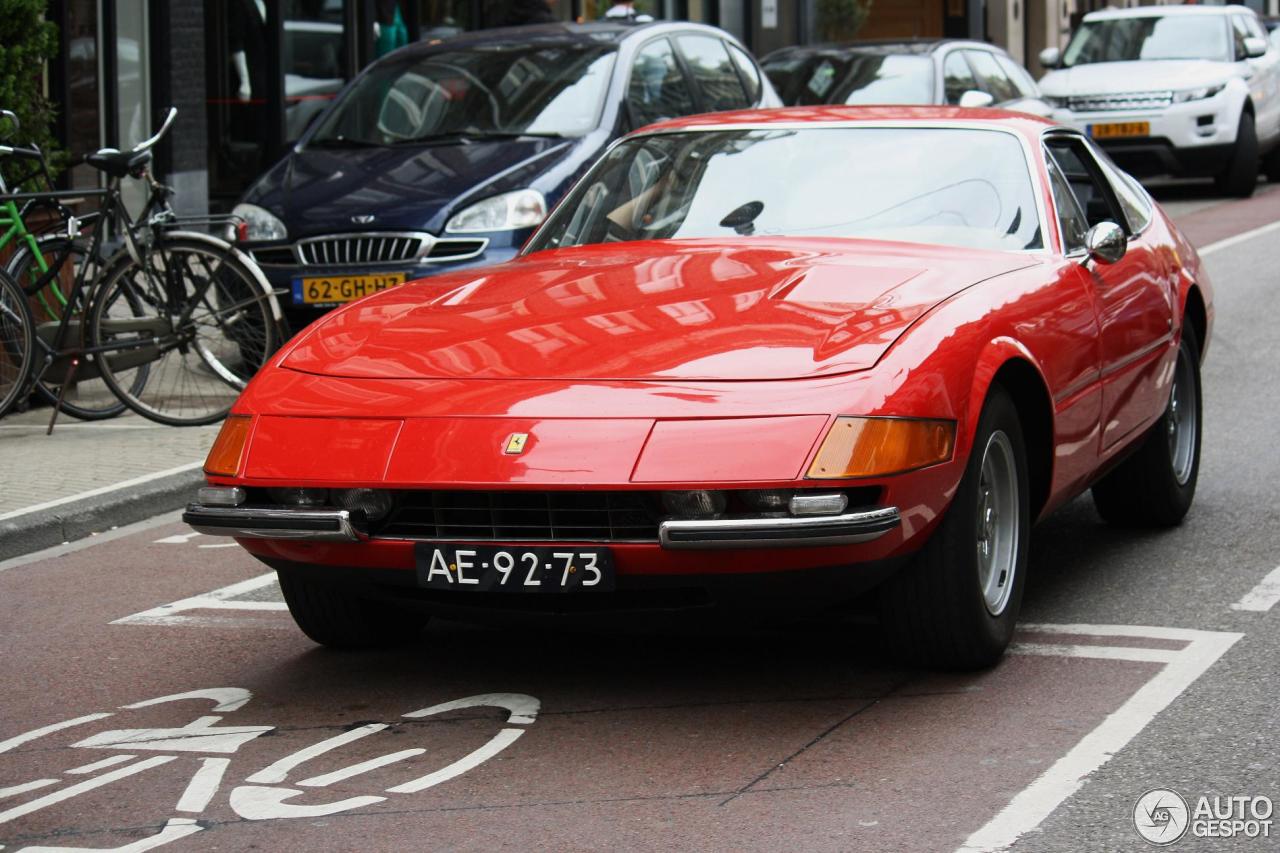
(1010, 366)
(1196, 314)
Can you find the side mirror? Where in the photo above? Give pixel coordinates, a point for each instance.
(1255, 47)
(1106, 243)
(974, 98)
(1051, 57)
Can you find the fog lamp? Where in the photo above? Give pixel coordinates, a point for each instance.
(299, 497)
(694, 504)
(374, 503)
(824, 504)
(766, 500)
(875, 447)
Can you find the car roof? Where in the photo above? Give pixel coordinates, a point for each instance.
(1024, 123)
(593, 32)
(918, 46)
(1161, 11)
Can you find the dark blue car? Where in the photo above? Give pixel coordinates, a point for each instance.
(448, 154)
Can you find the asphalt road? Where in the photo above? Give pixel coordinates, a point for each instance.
(1133, 671)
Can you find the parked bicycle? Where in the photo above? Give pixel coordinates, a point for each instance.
(173, 322)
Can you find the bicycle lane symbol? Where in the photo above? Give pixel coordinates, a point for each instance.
(265, 794)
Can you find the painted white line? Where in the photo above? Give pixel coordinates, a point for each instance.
(15, 790)
(356, 769)
(1062, 650)
(496, 744)
(1037, 801)
(90, 540)
(1263, 596)
(80, 788)
(176, 539)
(200, 735)
(1228, 242)
(102, 765)
(218, 599)
(6, 745)
(278, 771)
(203, 785)
(93, 493)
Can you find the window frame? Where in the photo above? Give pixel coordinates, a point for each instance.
(695, 96)
(702, 104)
(1099, 176)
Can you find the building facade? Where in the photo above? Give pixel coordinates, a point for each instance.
(248, 75)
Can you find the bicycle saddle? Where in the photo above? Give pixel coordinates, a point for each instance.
(117, 164)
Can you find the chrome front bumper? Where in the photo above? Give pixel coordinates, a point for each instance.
(335, 525)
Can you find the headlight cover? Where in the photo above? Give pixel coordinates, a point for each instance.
(877, 447)
(1057, 101)
(261, 224)
(1197, 94)
(506, 212)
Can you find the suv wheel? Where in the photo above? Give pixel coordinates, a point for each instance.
(1240, 177)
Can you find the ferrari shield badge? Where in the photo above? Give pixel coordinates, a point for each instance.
(516, 443)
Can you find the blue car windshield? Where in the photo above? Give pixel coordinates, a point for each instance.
(534, 89)
(954, 187)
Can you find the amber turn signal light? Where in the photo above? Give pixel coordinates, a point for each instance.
(228, 448)
(875, 447)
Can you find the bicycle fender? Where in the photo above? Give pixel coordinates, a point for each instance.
(240, 256)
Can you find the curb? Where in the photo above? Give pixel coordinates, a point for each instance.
(71, 521)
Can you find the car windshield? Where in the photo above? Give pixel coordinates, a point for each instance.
(535, 89)
(950, 186)
(1149, 37)
(857, 78)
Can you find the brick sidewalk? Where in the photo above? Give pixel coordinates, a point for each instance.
(81, 457)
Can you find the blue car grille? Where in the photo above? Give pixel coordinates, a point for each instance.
(370, 250)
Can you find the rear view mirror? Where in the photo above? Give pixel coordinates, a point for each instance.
(1051, 57)
(974, 98)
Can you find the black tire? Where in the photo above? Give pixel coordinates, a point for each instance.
(1155, 486)
(332, 616)
(17, 342)
(92, 400)
(1240, 177)
(934, 612)
(1271, 165)
(199, 367)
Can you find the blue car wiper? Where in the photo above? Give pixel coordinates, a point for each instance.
(343, 142)
(469, 136)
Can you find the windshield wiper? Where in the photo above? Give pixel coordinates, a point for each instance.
(469, 136)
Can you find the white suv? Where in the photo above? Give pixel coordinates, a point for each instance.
(1182, 90)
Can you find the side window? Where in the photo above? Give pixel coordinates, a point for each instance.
(1018, 75)
(714, 73)
(750, 74)
(657, 89)
(1133, 199)
(1070, 216)
(992, 77)
(1086, 181)
(957, 77)
(1239, 32)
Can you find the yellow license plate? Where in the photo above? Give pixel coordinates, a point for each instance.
(1120, 129)
(328, 289)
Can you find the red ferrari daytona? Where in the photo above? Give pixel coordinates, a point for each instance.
(823, 352)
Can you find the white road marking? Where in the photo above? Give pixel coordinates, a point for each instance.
(1037, 801)
(218, 599)
(81, 787)
(1063, 650)
(200, 735)
(224, 698)
(279, 771)
(327, 779)
(203, 785)
(496, 744)
(6, 745)
(101, 765)
(93, 493)
(15, 790)
(1262, 597)
(521, 708)
(221, 545)
(174, 829)
(177, 539)
(254, 803)
(1228, 242)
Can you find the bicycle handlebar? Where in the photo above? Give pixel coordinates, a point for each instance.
(164, 128)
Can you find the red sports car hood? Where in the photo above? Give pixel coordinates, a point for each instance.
(755, 308)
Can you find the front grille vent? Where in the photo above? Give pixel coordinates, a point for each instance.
(1122, 101)
(522, 516)
(349, 249)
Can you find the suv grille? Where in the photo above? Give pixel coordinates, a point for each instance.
(1124, 101)
(523, 516)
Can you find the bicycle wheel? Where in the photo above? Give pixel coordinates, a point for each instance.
(88, 397)
(206, 328)
(17, 342)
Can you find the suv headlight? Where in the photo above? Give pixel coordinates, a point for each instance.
(1057, 101)
(1197, 94)
(260, 223)
(506, 212)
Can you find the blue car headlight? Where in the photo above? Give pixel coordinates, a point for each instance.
(506, 212)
